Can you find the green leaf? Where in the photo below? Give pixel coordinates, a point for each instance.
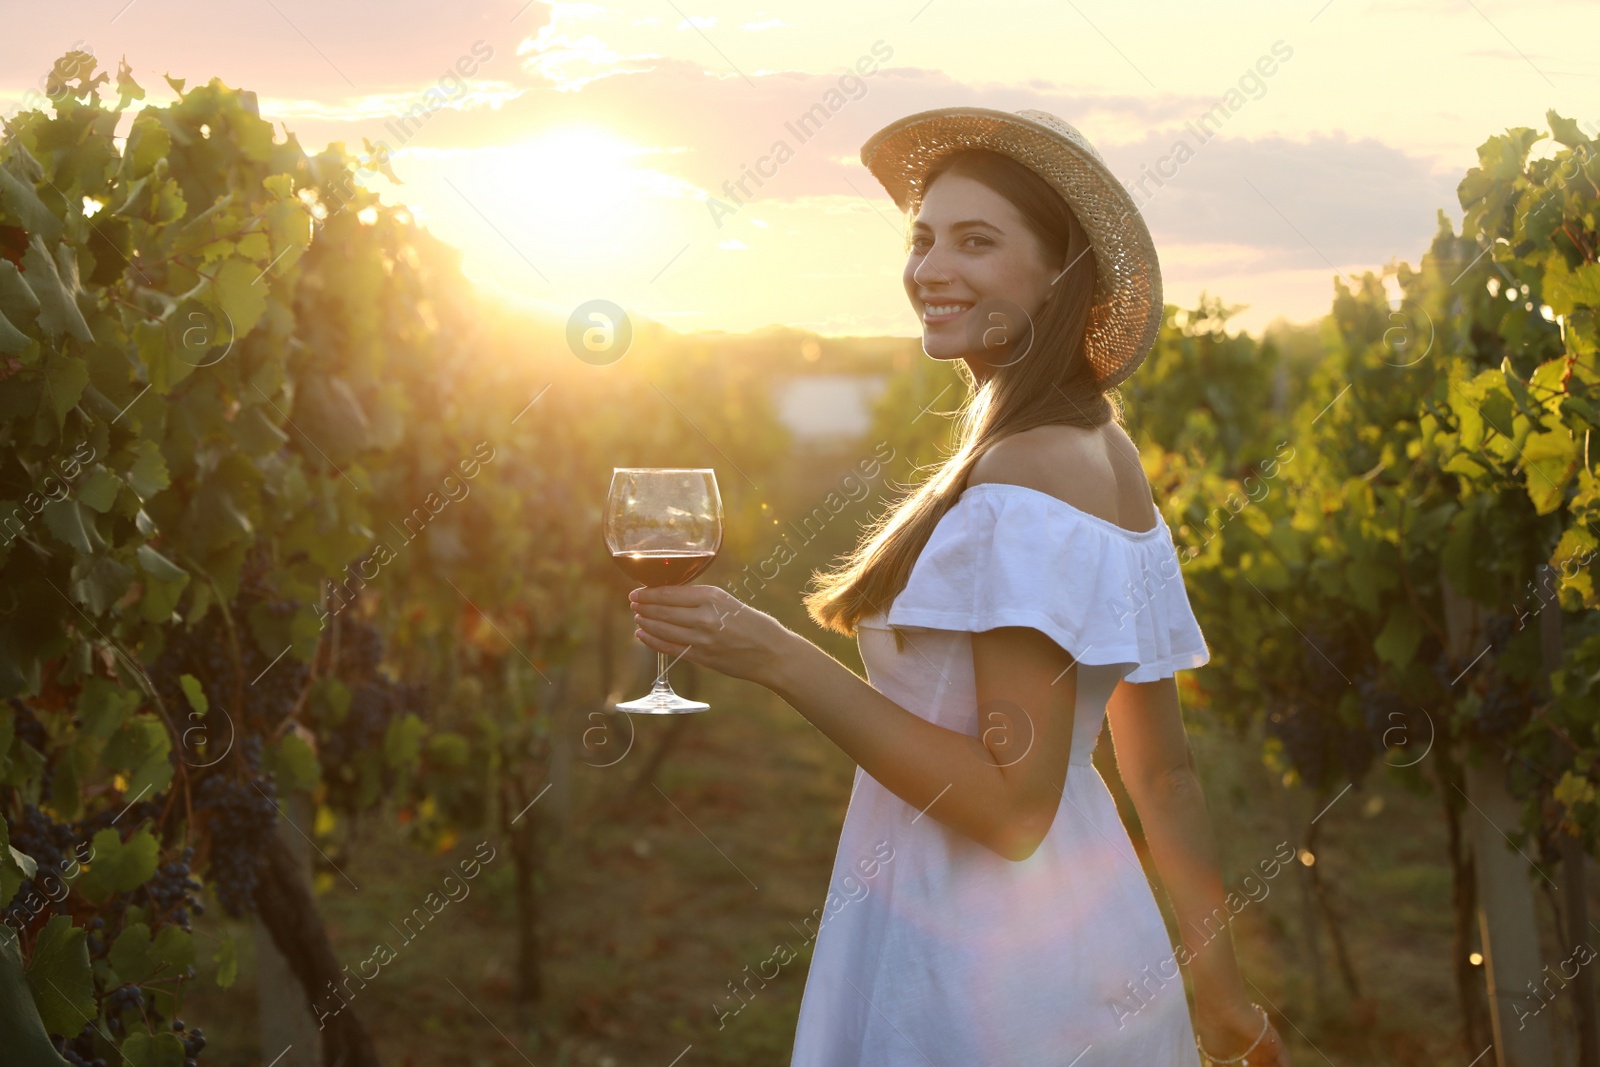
(119, 867)
(227, 961)
(64, 519)
(327, 410)
(128, 90)
(241, 293)
(13, 342)
(1565, 290)
(174, 947)
(60, 977)
(164, 585)
(65, 788)
(254, 246)
(17, 301)
(130, 954)
(15, 867)
(1401, 635)
(142, 748)
(136, 957)
(402, 742)
(1565, 130)
(1549, 461)
(162, 1050)
(103, 584)
(7, 734)
(294, 765)
(449, 751)
(148, 475)
(21, 201)
(26, 1043)
(99, 489)
(58, 307)
(194, 693)
(1497, 411)
(148, 143)
(1461, 556)
(103, 706)
(65, 376)
(256, 433)
(1518, 390)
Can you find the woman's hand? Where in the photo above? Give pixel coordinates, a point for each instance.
(1228, 1033)
(718, 630)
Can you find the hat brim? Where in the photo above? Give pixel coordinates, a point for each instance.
(1127, 311)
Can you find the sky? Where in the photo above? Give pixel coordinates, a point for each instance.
(580, 151)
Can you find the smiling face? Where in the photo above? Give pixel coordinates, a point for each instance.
(969, 244)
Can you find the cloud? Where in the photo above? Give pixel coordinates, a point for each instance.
(291, 49)
(1303, 204)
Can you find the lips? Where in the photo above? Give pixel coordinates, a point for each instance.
(935, 314)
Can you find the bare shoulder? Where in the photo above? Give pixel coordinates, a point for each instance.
(1096, 470)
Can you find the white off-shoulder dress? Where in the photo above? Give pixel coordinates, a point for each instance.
(933, 951)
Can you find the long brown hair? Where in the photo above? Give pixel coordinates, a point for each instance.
(1052, 384)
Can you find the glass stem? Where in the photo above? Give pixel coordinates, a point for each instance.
(661, 685)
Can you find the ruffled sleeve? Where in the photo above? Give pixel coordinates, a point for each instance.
(1008, 555)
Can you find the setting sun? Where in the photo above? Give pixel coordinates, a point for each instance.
(554, 214)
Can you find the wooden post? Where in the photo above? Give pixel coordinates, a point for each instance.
(553, 698)
(1506, 918)
(1280, 384)
(1310, 923)
(1572, 854)
(288, 1029)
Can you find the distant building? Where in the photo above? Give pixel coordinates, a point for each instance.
(827, 410)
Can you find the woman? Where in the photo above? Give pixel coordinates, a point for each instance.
(987, 906)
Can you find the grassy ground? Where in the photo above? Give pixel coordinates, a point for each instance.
(652, 912)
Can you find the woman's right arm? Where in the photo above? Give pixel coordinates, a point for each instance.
(1158, 769)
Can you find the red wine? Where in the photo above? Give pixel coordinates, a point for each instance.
(656, 567)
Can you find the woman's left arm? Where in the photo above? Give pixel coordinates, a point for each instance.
(1000, 788)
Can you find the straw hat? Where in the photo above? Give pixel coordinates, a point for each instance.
(1127, 308)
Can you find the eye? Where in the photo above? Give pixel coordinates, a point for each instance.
(978, 237)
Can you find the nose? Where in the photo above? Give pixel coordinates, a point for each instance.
(930, 269)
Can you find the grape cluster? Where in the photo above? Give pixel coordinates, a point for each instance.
(239, 813)
(1445, 670)
(50, 845)
(1505, 704)
(75, 1058)
(80, 1050)
(254, 572)
(194, 1041)
(131, 815)
(1390, 719)
(1319, 746)
(203, 652)
(271, 688)
(1499, 628)
(172, 893)
(26, 727)
(1325, 662)
(365, 725)
(122, 999)
(271, 683)
(360, 648)
(1504, 708)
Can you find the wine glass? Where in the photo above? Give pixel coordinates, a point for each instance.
(663, 526)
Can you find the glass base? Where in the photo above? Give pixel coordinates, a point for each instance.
(663, 703)
(661, 700)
